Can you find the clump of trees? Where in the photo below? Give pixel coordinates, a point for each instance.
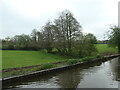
(114, 37)
(64, 35)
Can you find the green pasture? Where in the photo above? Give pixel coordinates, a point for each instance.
(20, 58)
(17, 58)
(104, 49)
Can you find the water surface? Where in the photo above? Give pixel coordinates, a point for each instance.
(94, 75)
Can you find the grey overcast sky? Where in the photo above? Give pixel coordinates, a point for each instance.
(22, 16)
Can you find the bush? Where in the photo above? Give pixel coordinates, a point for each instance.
(8, 47)
(87, 58)
(73, 61)
(45, 66)
(99, 56)
(79, 60)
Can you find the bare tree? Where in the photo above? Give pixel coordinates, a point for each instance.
(70, 29)
(48, 36)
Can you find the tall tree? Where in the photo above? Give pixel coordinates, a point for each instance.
(48, 36)
(70, 29)
(21, 41)
(34, 35)
(85, 45)
(89, 44)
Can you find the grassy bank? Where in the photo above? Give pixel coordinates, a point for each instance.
(105, 49)
(47, 66)
(13, 59)
(17, 58)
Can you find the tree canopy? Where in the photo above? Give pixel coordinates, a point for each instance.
(114, 37)
(63, 35)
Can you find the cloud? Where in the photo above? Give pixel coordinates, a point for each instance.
(21, 16)
(35, 8)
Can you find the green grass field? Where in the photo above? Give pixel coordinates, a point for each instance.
(104, 49)
(17, 58)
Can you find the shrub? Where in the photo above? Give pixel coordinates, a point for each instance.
(45, 66)
(8, 47)
(87, 58)
(73, 61)
(99, 56)
(79, 60)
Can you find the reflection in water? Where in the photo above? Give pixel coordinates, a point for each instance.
(114, 65)
(119, 68)
(101, 78)
(93, 75)
(69, 79)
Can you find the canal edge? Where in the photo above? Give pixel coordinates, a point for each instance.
(47, 71)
